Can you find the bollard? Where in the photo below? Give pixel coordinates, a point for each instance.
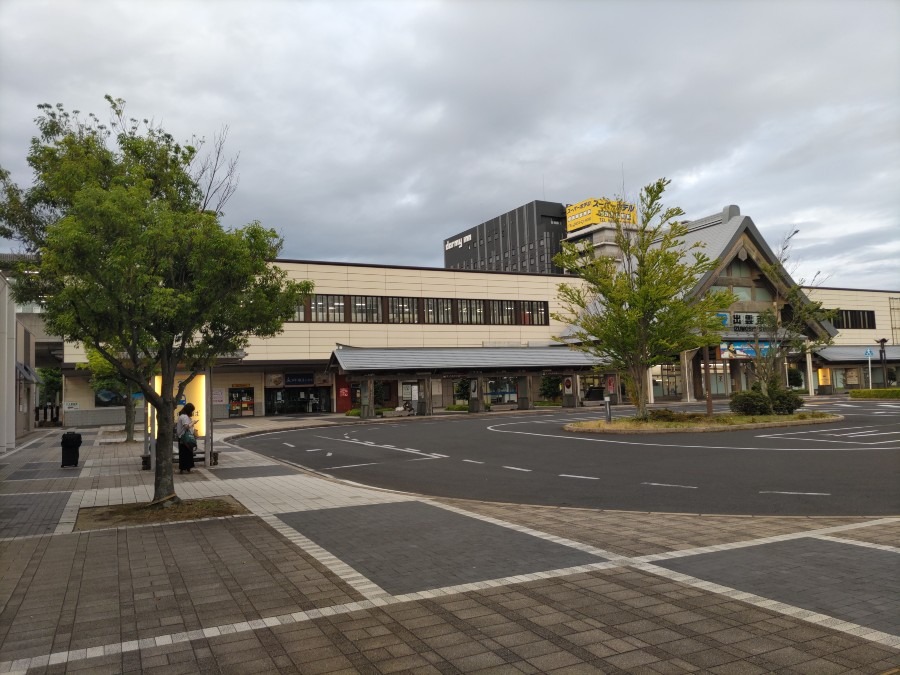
(608, 409)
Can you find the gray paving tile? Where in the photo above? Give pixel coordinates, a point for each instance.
(852, 583)
(407, 547)
(254, 471)
(22, 515)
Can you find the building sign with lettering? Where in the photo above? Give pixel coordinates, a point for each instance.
(298, 379)
(457, 243)
(745, 322)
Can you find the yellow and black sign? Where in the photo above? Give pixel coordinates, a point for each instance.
(595, 211)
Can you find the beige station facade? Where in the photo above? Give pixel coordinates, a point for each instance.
(289, 373)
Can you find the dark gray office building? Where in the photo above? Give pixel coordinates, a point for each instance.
(522, 240)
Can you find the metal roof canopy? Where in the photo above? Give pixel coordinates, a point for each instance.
(857, 353)
(428, 360)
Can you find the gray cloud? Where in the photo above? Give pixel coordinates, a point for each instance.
(370, 131)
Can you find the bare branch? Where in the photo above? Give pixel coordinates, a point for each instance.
(216, 174)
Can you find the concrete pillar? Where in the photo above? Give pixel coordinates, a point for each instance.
(476, 394)
(570, 391)
(424, 404)
(7, 367)
(687, 380)
(810, 374)
(525, 392)
(367, 399)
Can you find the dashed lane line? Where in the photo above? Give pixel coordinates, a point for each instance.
(785, 492)
(686, 487)
(290, 445)
(516, 468)
(472, 461)
(569, 475)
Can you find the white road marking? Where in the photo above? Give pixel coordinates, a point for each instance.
(371, 444)
(687, 487)
(779, 492)
(516, 468)
(497, 428)
(569, 475)
(328, 454)
(348, 466)
(315, 450)
(434, 454)
(472, 461)
(290, 445)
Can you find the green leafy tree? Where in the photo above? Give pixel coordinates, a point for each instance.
(133, 262)
(550, 387)
(51, 386)
(461, 391)
(641, 309)
(104, 375)
(793, 326)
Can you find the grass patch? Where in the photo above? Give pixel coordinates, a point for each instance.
(875, 393)
(696, 421)
(120, 515)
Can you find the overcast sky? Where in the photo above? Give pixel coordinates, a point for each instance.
(371, 131)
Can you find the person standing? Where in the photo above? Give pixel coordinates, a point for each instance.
(187, 441)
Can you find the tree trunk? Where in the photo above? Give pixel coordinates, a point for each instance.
(164, 482)
(129, 415)
(637, 389)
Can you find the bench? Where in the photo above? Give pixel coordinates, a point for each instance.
(199, 455)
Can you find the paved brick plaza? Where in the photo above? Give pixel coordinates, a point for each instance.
(331, 578)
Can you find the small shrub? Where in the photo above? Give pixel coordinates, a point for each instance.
(353, 412)
(457, 407)
(784, 401)
(750, 403)
(666, 415)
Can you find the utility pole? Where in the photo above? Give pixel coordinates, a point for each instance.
(881, 354)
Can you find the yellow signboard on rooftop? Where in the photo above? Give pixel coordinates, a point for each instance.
(595, 211)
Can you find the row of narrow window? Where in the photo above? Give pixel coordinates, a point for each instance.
(324, 308)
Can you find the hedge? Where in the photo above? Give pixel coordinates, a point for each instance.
(875, 393)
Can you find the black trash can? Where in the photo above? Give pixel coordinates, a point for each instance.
(71, 441)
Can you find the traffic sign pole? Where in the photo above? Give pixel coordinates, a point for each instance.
(869, 354)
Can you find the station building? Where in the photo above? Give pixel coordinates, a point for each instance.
(411, 333)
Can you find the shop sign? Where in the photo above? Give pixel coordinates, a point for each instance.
(852, 375)
(218, 396)
(274, 380)
(824, 377)
(70, 405)
(298, 379)
(322, 380)
(595, 211)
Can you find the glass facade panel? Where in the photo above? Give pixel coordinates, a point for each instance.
(327, 308)
(438, 310)
(403, 310)
(365, 309)
(503, 312)
(471, 311)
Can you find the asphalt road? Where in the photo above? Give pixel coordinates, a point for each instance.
(845, 468)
